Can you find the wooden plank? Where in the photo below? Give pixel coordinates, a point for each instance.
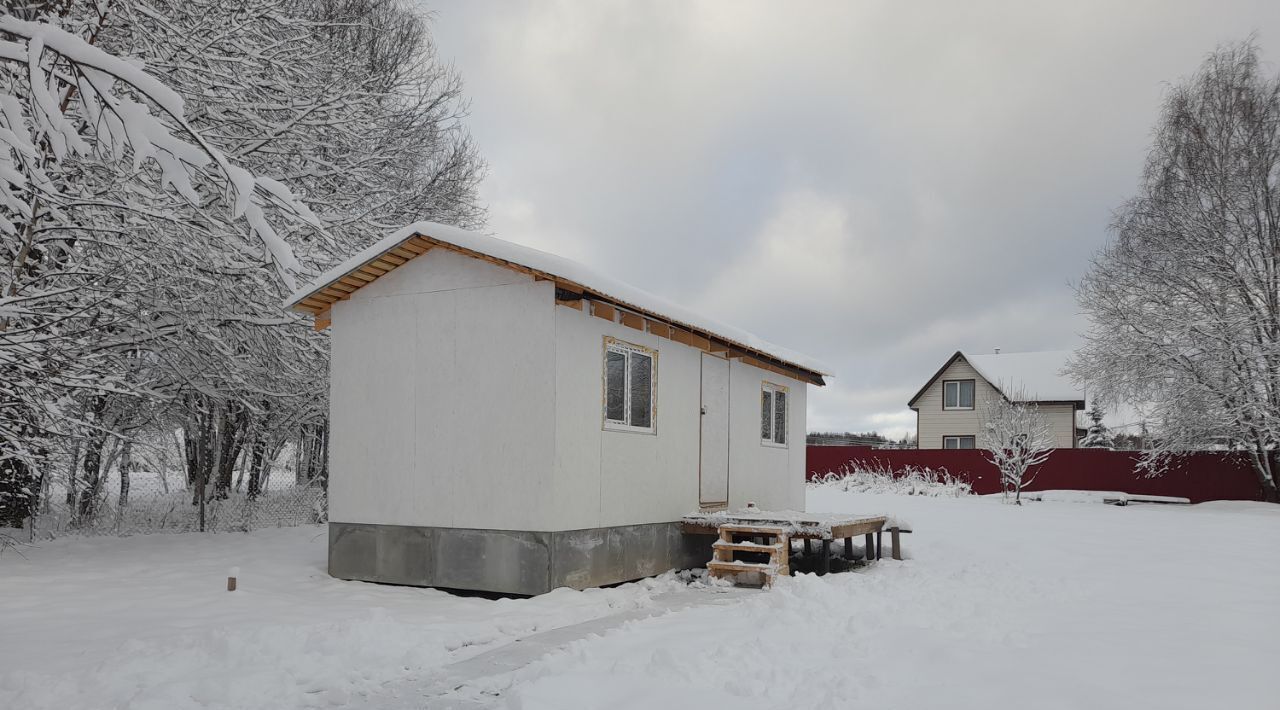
(343, 287)
(352, 281)
(602, 310)
(682, 336)
(859, 527)
(658, 328)
(632, 320)
(322, 321)
(700, 341)
(384, 263)
(569, 286)
(335, 294)
(361, 277)
(404, 253)
(575, 303)
(318, 301)
(371, 270)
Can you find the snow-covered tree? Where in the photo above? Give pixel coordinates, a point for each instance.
(1015, 437)
(90, 141)
(1185, 300)
(1098, 436)
(143, 305)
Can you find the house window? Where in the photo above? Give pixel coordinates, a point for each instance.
(630, 381)
(958, 442)
(957, 394)
(773, 414)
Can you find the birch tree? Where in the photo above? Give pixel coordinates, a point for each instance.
(1184, 302)
(1015, 438)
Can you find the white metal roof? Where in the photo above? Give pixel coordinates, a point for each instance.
(568, 270)
(1037, 376)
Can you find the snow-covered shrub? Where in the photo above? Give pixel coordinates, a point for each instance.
(861, 477)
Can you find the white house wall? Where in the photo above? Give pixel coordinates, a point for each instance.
(443, 375)
(606, 478)
(770, 476)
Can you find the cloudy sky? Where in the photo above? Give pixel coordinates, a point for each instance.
(876, 184)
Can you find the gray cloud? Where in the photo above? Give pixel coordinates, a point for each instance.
(875, 184)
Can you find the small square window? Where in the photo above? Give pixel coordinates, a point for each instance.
(958, 442)
(629, 386)
(773, 414)
(957, 394)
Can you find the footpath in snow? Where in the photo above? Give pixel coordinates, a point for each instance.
(1048, 605)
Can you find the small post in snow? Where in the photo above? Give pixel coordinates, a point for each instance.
(231, 579)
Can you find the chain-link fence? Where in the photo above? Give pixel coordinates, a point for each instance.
(156, 501)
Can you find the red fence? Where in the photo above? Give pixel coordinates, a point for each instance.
(1199, 476)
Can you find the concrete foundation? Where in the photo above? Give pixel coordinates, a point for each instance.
(510, 561)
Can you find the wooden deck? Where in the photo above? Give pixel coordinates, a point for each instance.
(823, 527)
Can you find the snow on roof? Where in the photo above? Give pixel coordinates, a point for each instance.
(562, 268)
(1036, 375)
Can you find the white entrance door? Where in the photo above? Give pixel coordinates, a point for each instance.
(713, 471)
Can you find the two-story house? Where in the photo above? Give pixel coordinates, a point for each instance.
(951, 405)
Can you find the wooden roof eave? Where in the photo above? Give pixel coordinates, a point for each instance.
(315, 306)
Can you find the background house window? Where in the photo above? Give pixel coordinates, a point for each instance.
(773, 414)
(958, 442)
(957, 394)
(629, 384)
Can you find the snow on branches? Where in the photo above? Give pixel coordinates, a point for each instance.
(1184, 302)
(1015, 437)
(68, 98)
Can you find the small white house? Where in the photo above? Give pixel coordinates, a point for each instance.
(951, 405)
(503, 419)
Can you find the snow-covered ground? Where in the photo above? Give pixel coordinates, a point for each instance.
(1048, 605)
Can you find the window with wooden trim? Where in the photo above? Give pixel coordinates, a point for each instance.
(957, 394)
(773, 414)
(958, 442)
(630, 386)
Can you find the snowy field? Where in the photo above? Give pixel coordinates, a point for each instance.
(1051, 605)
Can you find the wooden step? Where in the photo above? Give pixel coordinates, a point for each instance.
(751, 530)
(740, 566)
(746, 546)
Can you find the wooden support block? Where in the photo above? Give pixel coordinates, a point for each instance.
(575, 304)
(603, 310)
(662, 330)
(870, 553)
(632, 320)
(848, 548)
(879, 539)
(682, 336)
